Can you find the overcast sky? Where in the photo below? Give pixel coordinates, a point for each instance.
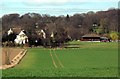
(55, 7)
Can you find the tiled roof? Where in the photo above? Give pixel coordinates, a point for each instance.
(91, 35)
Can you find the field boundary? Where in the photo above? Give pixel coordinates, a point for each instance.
(15, 60)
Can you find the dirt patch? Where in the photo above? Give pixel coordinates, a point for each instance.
(12, 53)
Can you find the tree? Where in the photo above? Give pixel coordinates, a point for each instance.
(73, 26)
(67, 17)
(104, 25)
(114, 35)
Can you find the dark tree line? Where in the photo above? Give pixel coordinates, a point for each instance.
(63, 27)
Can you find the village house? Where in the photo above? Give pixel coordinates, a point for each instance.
(21, 38)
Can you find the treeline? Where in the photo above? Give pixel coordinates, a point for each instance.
(74, 27)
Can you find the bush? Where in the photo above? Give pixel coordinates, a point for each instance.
(114, 35)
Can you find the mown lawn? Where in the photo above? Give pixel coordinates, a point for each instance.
(89, 60)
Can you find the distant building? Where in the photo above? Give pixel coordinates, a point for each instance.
(21, 38)
(52, 35)
(91, 37)
(43, 34)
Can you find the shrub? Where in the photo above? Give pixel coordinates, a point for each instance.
(114, 35)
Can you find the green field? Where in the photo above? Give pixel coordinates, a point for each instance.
(91, 59)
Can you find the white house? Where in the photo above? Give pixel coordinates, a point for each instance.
(52, 35)
(43, 34)
(10, 31)
(21, 38)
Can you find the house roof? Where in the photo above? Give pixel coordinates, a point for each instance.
(91, 35)
(21, 33)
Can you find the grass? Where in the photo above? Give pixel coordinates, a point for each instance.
(89, 60)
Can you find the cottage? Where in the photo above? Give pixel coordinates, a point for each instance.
(21, 38)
